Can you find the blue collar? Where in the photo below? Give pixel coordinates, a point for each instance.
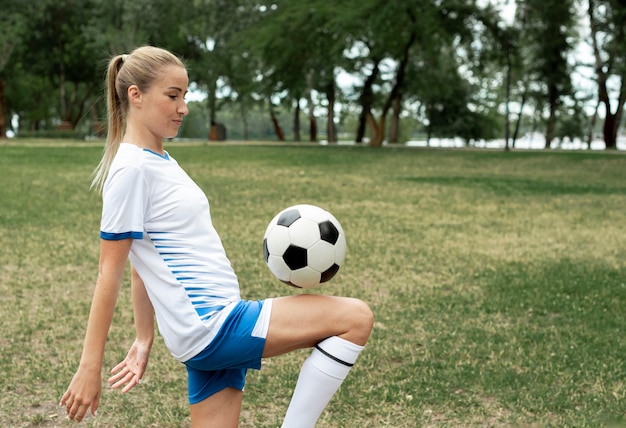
(166, 156)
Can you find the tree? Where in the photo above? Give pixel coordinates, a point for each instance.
(219, 65)
(500, 63)
(57, 47)
(448, 63)
(403, 38)
(299, 46)
(549, 26)
(608, 38)
(13, 22)
(380, 33)
(448, 103)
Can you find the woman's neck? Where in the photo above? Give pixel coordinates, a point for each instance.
(145, 140)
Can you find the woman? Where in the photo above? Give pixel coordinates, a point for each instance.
(154, 214)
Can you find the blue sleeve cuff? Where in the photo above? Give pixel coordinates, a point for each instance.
(119, 236)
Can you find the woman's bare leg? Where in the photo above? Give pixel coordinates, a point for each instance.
(304, 320)
(296, 322)
(337, 328)
(220, 410)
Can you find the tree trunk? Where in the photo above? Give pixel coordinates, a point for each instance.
(312, 127)
(360, 129)
(81, 106)
(519, 116)
(507, 115)
(367, 99)
(609, 130)
(592, 126)
(330, 123)
(296, 121)
(396, 91)
(309, 99)
(277, 129)
(212, 105)
(550, 125)
(244, 121)
(62, 90)
(394, 129)
(3, 109)
(380, 136)
(374, 129)
(611, 120)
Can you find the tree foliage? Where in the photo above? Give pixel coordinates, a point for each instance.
(454, 66)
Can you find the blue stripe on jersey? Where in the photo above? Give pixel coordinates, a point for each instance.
(189, 273)
(206, 312)
(165, 156)
(119, 236)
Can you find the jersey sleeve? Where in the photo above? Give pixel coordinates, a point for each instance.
(123, 205)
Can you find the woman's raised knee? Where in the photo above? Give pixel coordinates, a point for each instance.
(362, 320)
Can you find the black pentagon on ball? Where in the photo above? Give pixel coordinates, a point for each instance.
(266, 251)
(288, 217)
(329, 273)
(295, 257)
(328, 232)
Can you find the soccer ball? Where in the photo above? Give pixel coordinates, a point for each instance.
(304, 246)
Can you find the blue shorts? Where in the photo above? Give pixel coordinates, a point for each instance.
(237, 347)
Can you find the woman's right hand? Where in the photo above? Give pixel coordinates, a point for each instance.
(82, 394)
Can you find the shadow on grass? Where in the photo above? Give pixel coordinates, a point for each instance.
(520, 186)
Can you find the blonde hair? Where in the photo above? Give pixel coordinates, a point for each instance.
(141, 68)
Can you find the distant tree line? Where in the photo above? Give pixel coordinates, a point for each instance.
(447, 68)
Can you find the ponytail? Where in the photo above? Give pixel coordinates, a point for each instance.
(115, 119)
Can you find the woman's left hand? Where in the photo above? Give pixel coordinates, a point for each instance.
(129, 372)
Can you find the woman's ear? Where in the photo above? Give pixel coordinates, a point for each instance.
(134, 95)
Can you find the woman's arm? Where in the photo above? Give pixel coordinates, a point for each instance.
(143, 310)
(84, 390)
(130, 371)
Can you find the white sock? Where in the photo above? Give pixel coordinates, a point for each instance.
(320, 377)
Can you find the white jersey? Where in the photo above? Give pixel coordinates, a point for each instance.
(176, 250)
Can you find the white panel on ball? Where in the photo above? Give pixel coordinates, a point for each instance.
(280, 240)
(321, 256)
(314, 213)
(305, 277)
(279, 268)
(304, 233)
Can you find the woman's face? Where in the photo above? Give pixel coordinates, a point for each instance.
(164, 105)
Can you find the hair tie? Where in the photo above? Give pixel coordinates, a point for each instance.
(124, 56)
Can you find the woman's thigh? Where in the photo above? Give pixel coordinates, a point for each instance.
(304, 320)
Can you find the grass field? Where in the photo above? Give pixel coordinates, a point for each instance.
(498, 283)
